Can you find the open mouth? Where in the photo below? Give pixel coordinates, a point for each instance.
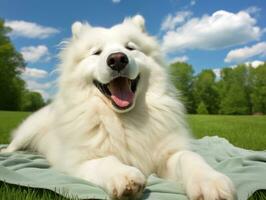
(121, 91)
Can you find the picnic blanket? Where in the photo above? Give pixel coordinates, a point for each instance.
(246, 168)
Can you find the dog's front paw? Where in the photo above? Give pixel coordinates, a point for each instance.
(126, 183)
(210, 185)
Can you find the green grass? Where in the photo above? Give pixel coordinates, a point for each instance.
(9, 121)
(13, 192)
(244, 131)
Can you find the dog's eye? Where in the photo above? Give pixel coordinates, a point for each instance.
(98, 52)
(131, 46)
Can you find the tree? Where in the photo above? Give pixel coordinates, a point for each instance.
(205, 92)
(14, 95)
(202, 108)
(258, 94)
(240, 90)
(235, 90)
(182, 76)
(32, 101)
(11, 63)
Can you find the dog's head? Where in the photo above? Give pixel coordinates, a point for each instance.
(113, 61)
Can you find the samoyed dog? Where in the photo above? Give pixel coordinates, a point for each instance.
(116, 118)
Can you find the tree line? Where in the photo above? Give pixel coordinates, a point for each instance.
(240, 90)
(13, 92)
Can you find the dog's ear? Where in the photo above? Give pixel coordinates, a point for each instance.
(139, 21)
(76, 29)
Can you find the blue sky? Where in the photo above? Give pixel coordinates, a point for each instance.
(206, 34)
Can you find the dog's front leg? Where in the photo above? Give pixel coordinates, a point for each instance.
(119, 180)
(199, 179)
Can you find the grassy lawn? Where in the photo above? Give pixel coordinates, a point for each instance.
(248, 132)
(12, 192)
(9, 121)
(244, 131)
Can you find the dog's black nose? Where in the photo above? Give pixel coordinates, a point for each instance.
(117, 61)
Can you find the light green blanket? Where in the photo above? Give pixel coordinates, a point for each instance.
(246, 168)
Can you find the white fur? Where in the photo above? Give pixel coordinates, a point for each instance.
(83, 135)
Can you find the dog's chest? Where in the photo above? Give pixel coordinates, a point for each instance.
(132, 145)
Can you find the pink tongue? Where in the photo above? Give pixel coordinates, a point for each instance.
(121, 92)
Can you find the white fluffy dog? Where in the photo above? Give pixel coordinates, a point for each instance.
(116, 118)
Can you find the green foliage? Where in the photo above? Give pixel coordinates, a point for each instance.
(182, 77)
(32, 101)
(258, 93)
(235, 91)
(14, 95)
(239, 91)
(205, 92)
(11, 62)
(202, 108)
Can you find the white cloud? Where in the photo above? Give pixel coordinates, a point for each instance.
(116, 1)
(193, 2)
(219, 30)
(32, 78)
(254, 63)
(217, 72)
(242, 54)
(170, 22)
(34, 73)
(30, 29)
(253, 10)
(35, 53)
(42, 88)
(34, 85)
(179, 59)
